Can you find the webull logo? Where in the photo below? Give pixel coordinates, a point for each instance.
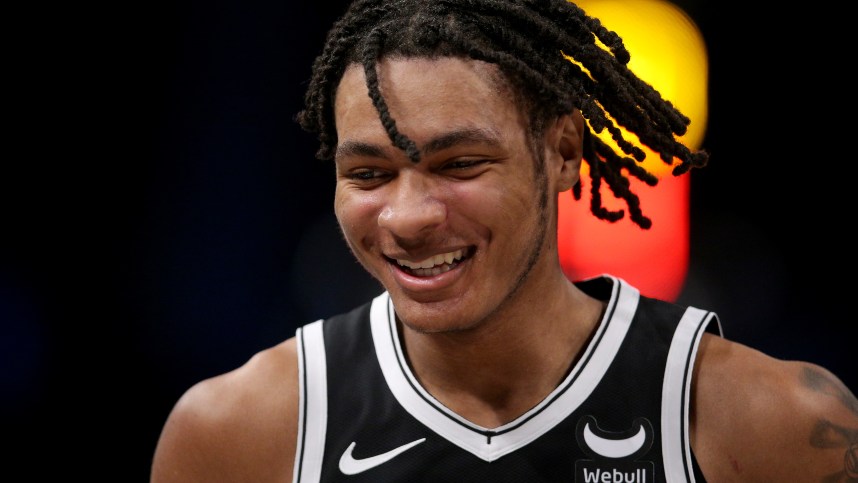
(614, 454)
(598, 475)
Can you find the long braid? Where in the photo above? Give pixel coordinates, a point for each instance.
(374, 43)
(532, 43)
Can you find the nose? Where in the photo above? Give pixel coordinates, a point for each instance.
(413, 207)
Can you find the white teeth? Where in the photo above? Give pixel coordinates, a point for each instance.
(433, 261)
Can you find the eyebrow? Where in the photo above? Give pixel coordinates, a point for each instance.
(439, 143)
(462, 136)
(359, 148)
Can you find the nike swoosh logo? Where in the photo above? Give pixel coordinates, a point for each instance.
(351, 466)
(614, 448)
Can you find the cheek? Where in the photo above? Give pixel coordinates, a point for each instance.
(496, 201)
(356, 213)
(479, 211)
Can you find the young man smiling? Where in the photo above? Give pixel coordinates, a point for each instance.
(454, 125)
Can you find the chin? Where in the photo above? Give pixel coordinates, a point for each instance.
(433, 327)
(433, 318)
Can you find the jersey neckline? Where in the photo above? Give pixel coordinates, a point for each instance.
(491, 444)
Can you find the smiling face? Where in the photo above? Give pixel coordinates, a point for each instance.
(470, 229)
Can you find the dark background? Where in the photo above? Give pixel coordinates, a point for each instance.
(164, 217)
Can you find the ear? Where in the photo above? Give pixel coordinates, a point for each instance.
(565, 144)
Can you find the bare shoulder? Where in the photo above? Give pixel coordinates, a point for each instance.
(757, 418)
(238, 426)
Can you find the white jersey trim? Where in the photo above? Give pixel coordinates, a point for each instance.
(676, 394)
(491, 444)
(313, 405)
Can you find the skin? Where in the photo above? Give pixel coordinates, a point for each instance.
(493, 333)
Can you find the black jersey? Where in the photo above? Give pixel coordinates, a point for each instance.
(621, 415)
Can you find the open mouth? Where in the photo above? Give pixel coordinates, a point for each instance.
(434, 265)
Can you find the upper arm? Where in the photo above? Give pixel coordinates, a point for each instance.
(239, 426)
(756, 418)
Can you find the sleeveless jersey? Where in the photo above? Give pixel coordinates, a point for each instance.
(621, 415)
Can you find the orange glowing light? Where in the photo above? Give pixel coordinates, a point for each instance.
(667, 50)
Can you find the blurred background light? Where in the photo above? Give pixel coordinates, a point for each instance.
(668, 51)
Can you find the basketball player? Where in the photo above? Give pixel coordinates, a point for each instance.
(454, 125)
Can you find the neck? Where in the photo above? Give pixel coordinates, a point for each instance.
(500, 369)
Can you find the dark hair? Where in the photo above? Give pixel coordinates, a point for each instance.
(531, 42)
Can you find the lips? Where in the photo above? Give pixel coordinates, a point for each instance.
(434, 265)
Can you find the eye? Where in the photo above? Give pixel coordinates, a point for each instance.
(465, 168)
(464, 164)
(364, 174)
(367, 177)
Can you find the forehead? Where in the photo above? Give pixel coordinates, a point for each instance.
(424, 97)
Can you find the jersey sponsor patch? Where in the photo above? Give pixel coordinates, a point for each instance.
(615, 456)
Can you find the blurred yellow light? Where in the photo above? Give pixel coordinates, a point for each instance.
(668, 51)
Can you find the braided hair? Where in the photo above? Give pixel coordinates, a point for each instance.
(547, 50)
